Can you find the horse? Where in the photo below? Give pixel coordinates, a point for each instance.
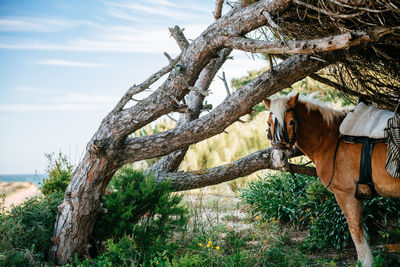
(314, 128)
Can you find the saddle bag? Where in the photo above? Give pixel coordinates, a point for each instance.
(392, 135)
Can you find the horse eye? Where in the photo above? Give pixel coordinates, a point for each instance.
(292, 122)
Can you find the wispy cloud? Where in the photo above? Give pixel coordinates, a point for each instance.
(159, 8)
(68, 63)
(49, 107)
(32, 24)
(53, 100)
(148, 43)
(162, 2)
(146, 33)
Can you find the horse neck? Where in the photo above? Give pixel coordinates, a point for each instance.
(315, 137)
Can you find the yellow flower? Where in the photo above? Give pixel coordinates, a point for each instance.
(217, 247)
(208, 245)
(200, 244)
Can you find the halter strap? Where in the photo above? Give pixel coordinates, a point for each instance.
(292, 141)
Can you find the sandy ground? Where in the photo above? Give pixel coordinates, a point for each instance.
(16, 193)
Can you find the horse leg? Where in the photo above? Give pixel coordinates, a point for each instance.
(352, 209)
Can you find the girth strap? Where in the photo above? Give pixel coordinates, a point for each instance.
(365, 177)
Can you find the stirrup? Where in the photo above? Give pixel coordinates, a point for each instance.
(371, 189)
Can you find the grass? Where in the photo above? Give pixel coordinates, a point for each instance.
(222, 233)
(245, 240)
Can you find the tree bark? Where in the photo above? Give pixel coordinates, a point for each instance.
(330, 43)
(247, 165)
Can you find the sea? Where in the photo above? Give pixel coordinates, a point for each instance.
(36, 178)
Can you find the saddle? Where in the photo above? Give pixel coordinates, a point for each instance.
(368, 125)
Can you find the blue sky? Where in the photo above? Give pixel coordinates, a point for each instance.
(65, 63)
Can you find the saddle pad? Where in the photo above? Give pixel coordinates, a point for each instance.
(366, 120)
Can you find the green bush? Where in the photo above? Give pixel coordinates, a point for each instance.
(304, 202)
(142, 215)
(278, 198)
(29, 227)
(26, 231)
(59, 171)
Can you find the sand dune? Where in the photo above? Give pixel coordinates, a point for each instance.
(16, 193)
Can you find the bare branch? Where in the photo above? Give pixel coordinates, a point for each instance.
(218, 9)
(223, 78)
(238, 104)
(172, 119)
(168, 56)
(335, 85)
(271, 64)
(135, 89)
(317, 58)
(270, 20)
(182, 109)
(323, 11)
(245, 166)
(206, 107)
(179, 37)
(197, 90)
(311, 46)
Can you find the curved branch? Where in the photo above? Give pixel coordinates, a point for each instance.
(330, 43)
(135, 89)
(118, 126)
(245, 166)
(236, 105)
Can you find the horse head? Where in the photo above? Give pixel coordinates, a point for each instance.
(282, 127)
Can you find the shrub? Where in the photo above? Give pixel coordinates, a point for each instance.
(26, 231)
(142, 215)
(304, 201)
(29, 227)
(59, 171)
(277, 198)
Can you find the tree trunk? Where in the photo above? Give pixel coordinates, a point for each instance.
(77, 213)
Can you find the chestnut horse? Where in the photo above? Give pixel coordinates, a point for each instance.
(314, 129)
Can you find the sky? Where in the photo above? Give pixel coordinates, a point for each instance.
(66, 63)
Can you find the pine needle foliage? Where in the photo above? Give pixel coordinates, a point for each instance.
(140, 210)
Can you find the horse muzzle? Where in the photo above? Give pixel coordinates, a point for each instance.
(279, 158)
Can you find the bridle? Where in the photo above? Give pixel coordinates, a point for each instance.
(279, 145)
(275, 139)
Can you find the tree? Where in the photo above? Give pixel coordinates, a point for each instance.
(190, 75)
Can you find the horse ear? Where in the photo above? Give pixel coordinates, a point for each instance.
(293, 100)
(267, 103)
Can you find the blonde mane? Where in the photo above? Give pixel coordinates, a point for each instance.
(329, 114)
